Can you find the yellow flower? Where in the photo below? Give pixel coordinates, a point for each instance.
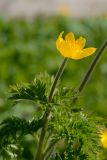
(72, 48)
(104, 138)
(64, 10)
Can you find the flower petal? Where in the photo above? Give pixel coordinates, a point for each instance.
(81, 42)
(72, 48)
(104, 138)
(65, 49)
(88, 51)
(70, 37)
(63, 46)
(59, 40)
(84, 53)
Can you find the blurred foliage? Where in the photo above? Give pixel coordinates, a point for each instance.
(28, 48)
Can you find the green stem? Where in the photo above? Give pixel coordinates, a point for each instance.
(49, 154)
(42, 136)
(92, 67)
(57, 77)
(47, 112)
(48, 150)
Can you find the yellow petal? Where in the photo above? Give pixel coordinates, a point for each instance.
(65, 49)
(60, 35)
(72, 48)
(63, 46)
(70, 37)
(83, 53)
(104, 142)
(104, 139)
(59, 40)
(81, 42)
(88, 51)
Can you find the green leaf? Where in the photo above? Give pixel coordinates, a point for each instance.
(34, 91)
(13, 129)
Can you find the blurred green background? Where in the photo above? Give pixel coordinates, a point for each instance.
(28, 48)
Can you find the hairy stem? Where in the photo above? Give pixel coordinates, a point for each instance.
(49, 154)
(57, 77)
(46, 114)
(92, 67)
(50, 147)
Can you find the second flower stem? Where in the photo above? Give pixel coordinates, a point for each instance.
(92, 67)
